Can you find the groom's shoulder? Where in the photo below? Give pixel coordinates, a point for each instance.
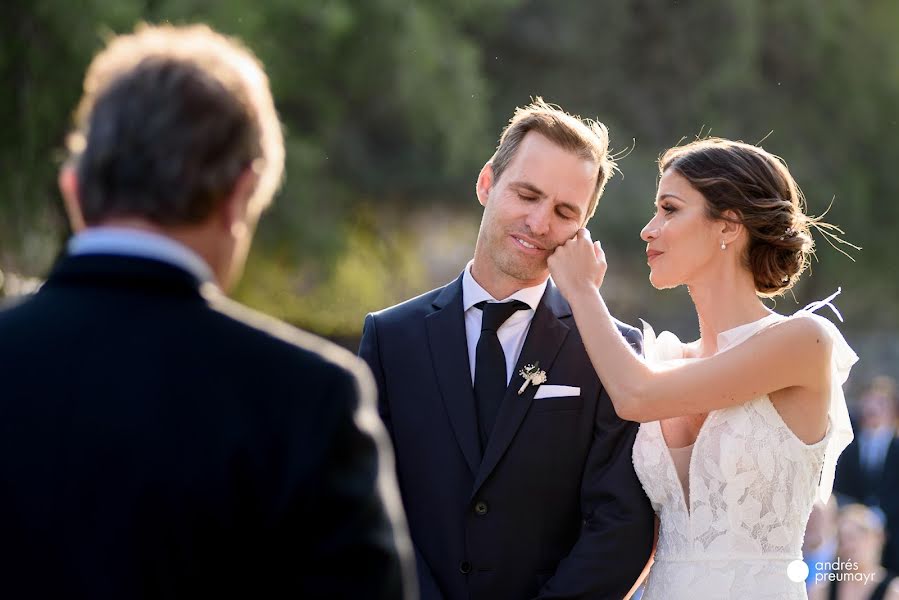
(631, 334)
(627, 330)
(419, 306)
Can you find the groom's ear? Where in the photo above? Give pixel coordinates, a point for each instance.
(485, 183)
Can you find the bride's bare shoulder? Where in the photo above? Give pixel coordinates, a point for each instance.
(802, 332)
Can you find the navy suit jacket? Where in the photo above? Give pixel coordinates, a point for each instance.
(553, 508)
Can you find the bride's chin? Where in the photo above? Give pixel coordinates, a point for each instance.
(659, 284)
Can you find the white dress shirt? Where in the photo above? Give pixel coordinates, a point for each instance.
(124, 241)
(512, 333)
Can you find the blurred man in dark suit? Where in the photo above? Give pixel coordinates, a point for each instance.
(156, 439)
(868, 472)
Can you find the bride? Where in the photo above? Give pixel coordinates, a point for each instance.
(742, 428)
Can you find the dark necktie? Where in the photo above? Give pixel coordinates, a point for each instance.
(490, 364)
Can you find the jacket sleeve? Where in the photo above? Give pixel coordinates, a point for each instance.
(361, 547)
(617, 533)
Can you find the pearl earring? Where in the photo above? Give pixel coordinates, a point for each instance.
(723, 246)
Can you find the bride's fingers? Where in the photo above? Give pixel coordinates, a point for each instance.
(584, 234)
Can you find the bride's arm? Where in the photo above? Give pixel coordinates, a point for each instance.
(795, 353)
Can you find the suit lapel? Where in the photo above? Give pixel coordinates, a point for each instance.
(544, 339)
(449, 352)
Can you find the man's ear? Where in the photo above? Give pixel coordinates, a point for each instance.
(485, 183)
(68, 187)
(731, 227)
(234, 210)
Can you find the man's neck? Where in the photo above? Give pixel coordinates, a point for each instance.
(196, 238)
(500, 285)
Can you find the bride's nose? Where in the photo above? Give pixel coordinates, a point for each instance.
(650, 231)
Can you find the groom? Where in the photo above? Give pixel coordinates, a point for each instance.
(514, 487)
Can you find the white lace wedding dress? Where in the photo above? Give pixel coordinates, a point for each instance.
(752, 484)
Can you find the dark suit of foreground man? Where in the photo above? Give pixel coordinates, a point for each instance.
(513, 495)
(156, 439)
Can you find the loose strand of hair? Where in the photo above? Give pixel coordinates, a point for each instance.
(827, 231)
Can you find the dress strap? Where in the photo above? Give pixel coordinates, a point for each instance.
(812, 307)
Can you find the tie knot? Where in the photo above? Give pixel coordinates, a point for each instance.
(496, 313)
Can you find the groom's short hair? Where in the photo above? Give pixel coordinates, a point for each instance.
(586, 138)
(169, 120)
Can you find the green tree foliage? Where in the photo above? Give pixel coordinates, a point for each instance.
(818, 82)
(391, 107)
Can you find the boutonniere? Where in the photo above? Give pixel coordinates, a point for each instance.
(532, 374)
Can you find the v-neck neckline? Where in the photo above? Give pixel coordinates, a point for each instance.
(683, 492)
(726, 339)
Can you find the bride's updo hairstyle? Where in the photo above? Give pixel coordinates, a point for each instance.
(758, 188)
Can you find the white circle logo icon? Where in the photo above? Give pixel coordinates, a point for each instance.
(797, 571)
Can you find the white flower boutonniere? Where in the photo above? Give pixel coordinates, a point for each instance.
(532, 374)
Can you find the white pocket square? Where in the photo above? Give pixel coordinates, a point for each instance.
(556, 391)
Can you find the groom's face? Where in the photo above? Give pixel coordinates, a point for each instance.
(539, 202)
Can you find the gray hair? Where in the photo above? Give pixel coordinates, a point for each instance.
(169, 119)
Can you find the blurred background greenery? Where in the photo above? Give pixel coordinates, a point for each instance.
(392, 106)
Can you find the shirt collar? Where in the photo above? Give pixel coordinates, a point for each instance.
(472, 292)
(125, 241)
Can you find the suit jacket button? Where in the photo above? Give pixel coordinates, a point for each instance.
(481, 508)
(465, 567)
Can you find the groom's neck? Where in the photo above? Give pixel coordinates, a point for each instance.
(498, 284)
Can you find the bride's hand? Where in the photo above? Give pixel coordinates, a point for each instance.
(578, 265)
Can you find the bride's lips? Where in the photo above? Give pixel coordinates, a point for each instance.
(651, 254)
(527, 244)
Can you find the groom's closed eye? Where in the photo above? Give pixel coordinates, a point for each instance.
(566, 213)
(528, 192)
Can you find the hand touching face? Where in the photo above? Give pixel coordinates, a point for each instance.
(536, 204)
(578, 265)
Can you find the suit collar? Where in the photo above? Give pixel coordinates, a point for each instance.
(473, 293)
(126, 272)
(552, 298)
(126, 241)
(450, 294)
(449, 353)
(556, 302)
